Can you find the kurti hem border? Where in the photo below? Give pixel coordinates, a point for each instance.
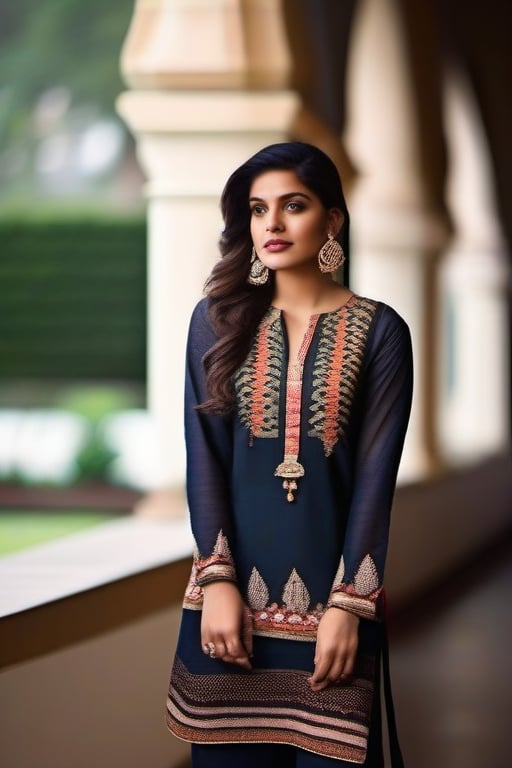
(190, 735)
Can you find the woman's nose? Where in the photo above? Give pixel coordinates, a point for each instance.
(274, 223)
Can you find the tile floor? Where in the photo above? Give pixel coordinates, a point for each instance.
(452, 670)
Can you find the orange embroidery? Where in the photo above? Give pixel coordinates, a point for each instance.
(336, 370)
(257, 381)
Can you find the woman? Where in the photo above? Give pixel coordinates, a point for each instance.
(297, 399)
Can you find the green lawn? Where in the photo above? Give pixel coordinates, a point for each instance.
(21, 529)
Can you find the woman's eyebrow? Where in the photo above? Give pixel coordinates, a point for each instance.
(286, 196)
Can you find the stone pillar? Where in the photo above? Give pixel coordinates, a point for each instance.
(474, 381)
(208, 88)
(319, 34)
(396, 233)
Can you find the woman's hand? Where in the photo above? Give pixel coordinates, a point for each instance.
(226, 626)
(336, 648)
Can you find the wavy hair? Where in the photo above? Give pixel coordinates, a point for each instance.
(235, 307)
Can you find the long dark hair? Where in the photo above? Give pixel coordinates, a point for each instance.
(236, 307)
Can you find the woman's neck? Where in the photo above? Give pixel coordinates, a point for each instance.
(308, 291)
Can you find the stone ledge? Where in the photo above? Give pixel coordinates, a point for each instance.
(64, 592)
(89, 559)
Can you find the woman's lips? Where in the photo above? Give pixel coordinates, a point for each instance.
(274, 246)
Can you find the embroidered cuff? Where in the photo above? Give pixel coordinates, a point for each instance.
(219, 566)
(361, 595)
(215, 572)
(365, 607)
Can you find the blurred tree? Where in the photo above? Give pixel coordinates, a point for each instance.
(63, 42)
(68, 44)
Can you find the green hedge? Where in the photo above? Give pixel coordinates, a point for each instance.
(73, 298)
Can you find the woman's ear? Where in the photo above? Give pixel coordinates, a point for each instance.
(335, 219)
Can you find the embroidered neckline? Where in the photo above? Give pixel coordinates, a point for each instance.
(350, 301)
(341, 334)
(290, 469)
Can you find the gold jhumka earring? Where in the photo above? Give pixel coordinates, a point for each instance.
(258, 274)
(330, 256)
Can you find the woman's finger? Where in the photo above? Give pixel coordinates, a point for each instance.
(336, 671)
(349, 663)
(230, 650)
(330, 668)
(322, 666)
(237, 653)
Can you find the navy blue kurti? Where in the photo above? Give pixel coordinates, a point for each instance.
(291, 498)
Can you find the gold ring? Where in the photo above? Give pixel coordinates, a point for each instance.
(211, 650)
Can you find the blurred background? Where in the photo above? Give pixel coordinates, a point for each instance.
(72, 273)
(119, 124)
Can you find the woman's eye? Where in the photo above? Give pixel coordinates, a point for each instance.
(257, 210)
(294, 206)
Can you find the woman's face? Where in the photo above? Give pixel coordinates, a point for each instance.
(289, 224)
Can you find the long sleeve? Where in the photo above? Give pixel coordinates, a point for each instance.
(209, 452)
(386, 391)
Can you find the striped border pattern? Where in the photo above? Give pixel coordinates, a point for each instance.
(273, 706)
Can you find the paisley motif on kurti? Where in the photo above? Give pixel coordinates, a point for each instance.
(294, 618)
(361, 595)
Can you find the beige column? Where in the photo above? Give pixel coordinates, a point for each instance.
(474, 380)
(396, 234)
(193, 68)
